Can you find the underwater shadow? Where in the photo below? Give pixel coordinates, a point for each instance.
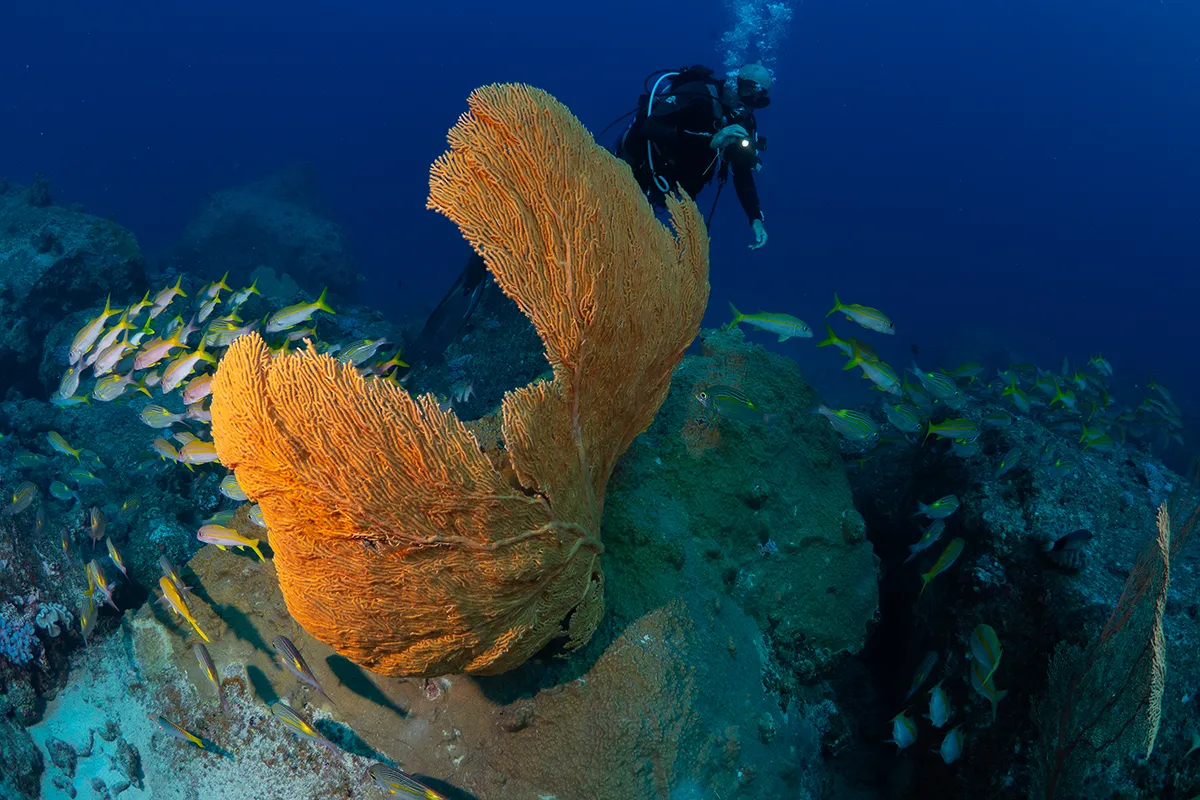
(239, 622)
(552, 667)
(260, 685)
(347, 739)
(356, 680)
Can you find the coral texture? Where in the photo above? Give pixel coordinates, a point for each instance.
(398, 540)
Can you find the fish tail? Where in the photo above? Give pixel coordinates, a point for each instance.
(321, 305)
(837, 305)
(737, 315)
(179, 286)
(196, 625)
(257, 552)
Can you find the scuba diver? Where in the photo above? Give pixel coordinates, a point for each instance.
(688, 128)
(691, 127)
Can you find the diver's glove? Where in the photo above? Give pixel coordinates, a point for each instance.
(760, 234)
(727, 135)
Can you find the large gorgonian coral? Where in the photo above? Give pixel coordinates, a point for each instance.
(397, 540)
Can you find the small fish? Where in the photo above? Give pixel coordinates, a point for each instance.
(985, 648)
(924, 670)
(877, 372)
(1064, 396)
(729, 403)
(156, 350)
(361, 352)
(785, 326)
(221, 518)
(940, 386)
(832, 339)
(968, 371)
(230, 488)
(223, 537)
(165, 449)
(175, 731)
(940, 711)
(168, 571)
(158, 417)
(1101, 365)
(966, 449)
(225, 332)
(87, 617)
(1061, 467)
(905, 417)
(854, 425)
(986, 687)
(213, 289)
(183, 437)
(197, 389)
(129, 508)
(938, 509)
(22, 498)
(396, 781)
(928, 538)
(100, 580)
(869, 318)
(298, 314)
(60, 491)
(165, 297)
(256, 516)
(997, 420)
(140, 306)
(116, 557)
(206, 310)
(68, 384)
(110, 338)
(1007, 461)
(239, 298)
(198, 452)
(1068, 550)
(904, 731)
(66, 539)
(1103, 443)
(210, 671)
(83, 477)
(172, 597)
(958, 429)
(60, 445)
(27, 460)
(952, 745)
(97, 527)
(299, 726)
(111, 387)
(39, 521)
(290, 657)
(394, 361)
(89, 333)
(179, 369)
(196, 412)
(70, 402)
(945, 561)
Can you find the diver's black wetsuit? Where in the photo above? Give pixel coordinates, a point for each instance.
(678, 130)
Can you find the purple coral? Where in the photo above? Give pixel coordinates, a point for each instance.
(18, 642)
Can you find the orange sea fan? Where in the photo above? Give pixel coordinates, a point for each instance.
(397, 540)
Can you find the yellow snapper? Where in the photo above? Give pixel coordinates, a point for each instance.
(223, 537)
(110, 357)
(88, 334)
(214, 289)
(295, 315)
(60, 445)
(197, 389)
(945, 561)
(175, 731)
(164, 298)
(110, 337)
(198, 413)
(179, 369)
(156, 350)
(60, 491)
(238, 298)
(870, 318)
(172, 597)
(785, 326)
(904, 731)
(165, 449)
(139, 306)
(207, 309)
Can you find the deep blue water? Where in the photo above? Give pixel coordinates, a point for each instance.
(1018, 176)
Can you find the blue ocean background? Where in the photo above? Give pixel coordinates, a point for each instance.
(1010, 179)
